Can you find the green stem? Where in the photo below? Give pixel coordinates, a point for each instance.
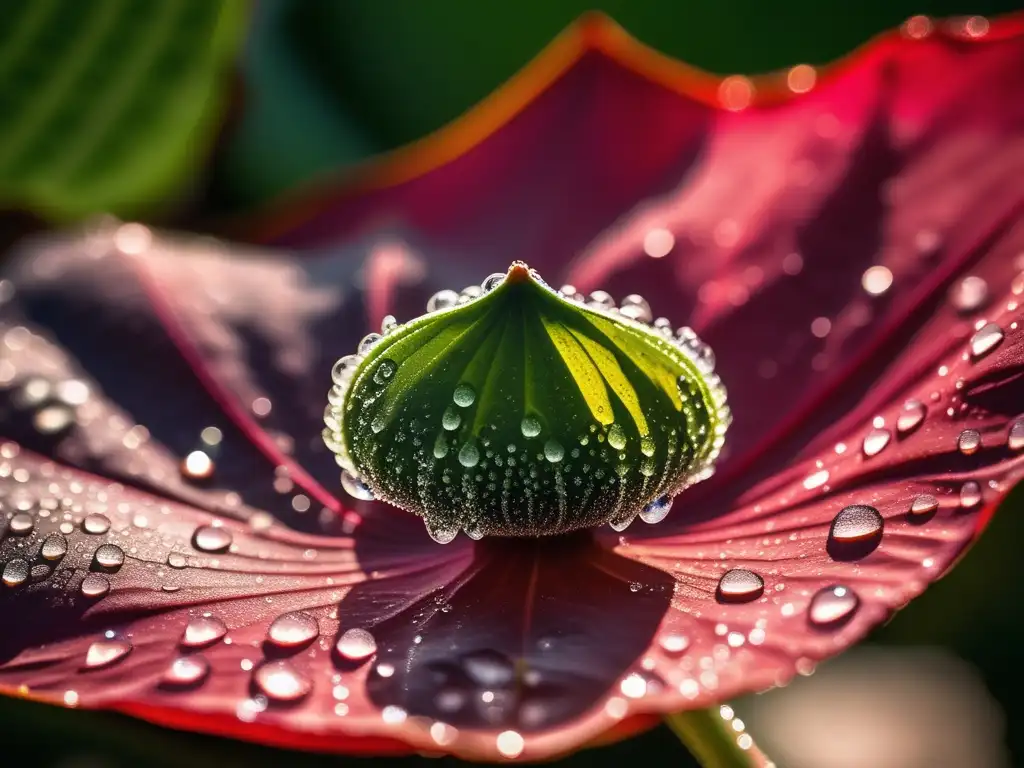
(711, 737)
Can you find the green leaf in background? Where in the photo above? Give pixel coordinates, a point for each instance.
(109, 105)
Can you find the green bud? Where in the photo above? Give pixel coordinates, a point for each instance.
(515, 410)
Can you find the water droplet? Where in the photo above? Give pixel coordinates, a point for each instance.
(553, 451)
(674, 643)
(910, 416)
(15, 572)
(816, 479)
(601, 300)
(187, 671)
(94, 585)
(970, 294)
(442, 300)
(210, 538)
(211, 436)
(342, 371)
(510, 744)
(103, 653)
(177, 560)
(469, 455)
(656, 511)
(96, 524)
(440, 532)
(970, 494)
(293, 629)
(356, 645)
(636, 308)
(876, 280)
(875, 441)
(1015, 438)
(464, 395)
(740, 585)
(969, 441)
(492, 281)
(530, 426)
(622, 523)
(617, 437)
(856, 523)
(281, 681)
(633, 686)
(21, 524)
(53, 418)
(367, 343)
(832, 606)
(54, 547)
(388, 324)
(393, 715)
(109, 556)
(202, 631)
(355, 487)
(197, 465)
(443, 734)
(985, 340)
(386, 369)
(451, 419)
(924, 504)
(489, 668)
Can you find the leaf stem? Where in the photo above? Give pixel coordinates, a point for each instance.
(712, 738)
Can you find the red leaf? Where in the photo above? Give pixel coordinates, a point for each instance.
(126, 518)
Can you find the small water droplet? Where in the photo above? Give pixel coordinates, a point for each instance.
(202, 631)
(633, 686)
(970, 494)
(54, 547)
(177, 560)
(388, 324)
(656, 511)
(816, 479)
(109, 556)
(443, 299)
(832, 606)
(636, 308)
(910, 416)
(740, 585)
(393, 715)
(355, 487)
(94, 585)
(451, 419)
(875, 441)
(469, 455)
(21, 524)
(293, 629)
(187, 671)
(969, 441)
(210, 538)
(386, 369)
(356, 645)
(985, 340)
(674, 643)
(197, 465)
(16, 572)
(103, 653)
(530, 426)
(647, 445)
(970, 294)
(492, 281)
(617, 437)
(856, 522)
(924, 504)
(441, 533)
(464, 395)
(342, 371)
(1015, 438)
(367, 343)
(96, 524)
(553, 451)
(279, 680)
(510, 744)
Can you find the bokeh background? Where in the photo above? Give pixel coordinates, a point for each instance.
(195, 113)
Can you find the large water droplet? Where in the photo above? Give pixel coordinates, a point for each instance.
(856, 523)
(367, 343)
(210, 538)
(279, 680)
(469, 455)
(443, 299)
(1015, 438)
(187, 671)
(464, 395)
(15, 572)
(356, 645)
(553, 451)
(342, 371)
(617, 437)
(492, 281)
(970, 294)
(832, 606)
(451, 419)
(21, 524)
(656, 511)
(740, 585)
(970, 494)
(636, 308)
(440, 532)
(94, 585)
(985, 340)
(875, 441)
(96, 524)
(107, 651)
(969, 441)
(910, 416)
(293, 629)
(529, 426)
(54, 547)
(202, 631)
(109, 556)
(924, 504)
(355, 487)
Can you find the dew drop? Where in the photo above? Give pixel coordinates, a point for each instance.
(464, 395)
(177, 560)
(210, 538)
(492, 281)
(109, 556)
(96, 524)
(510, 744)
(970, 494)
(356, 645)
(622, 523)
(635, 307)
(439, 532)
(816, 479)
(970, 294)
(342, 371)
(910, 416)
(674, 643)
(197, 465)
(103, 653)
(647, 445)
(924, 504)
(293, 629)
(21, 524)
(1015, 439)
(617, 437)
(553, 451)
(656, 511)
(15, 572)
(529, 426)
(451, 419)
(444, 299)
(202, 631)
(469, 455)
(385, 371)
(969, 441)
(367, 343)
(355, 487)
(740, 585)
(985, 340)
(279, 680)
(857, 522)
(875, 441)
(187, 671)
(94, 585)
(54, 547)
(832, 606)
